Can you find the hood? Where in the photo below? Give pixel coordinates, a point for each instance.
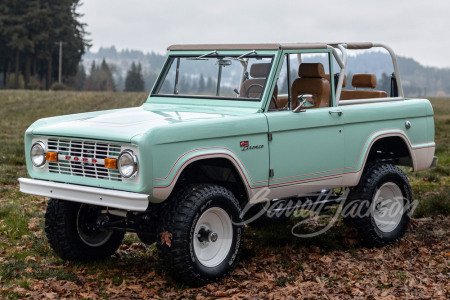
(124, 124)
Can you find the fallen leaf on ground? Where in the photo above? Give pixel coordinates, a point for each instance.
(166, 238)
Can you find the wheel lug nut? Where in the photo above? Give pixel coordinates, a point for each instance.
(213, 237)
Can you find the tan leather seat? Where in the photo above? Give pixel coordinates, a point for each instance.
(312, 81)
(327, 77)
(252, 86)
(364, 81)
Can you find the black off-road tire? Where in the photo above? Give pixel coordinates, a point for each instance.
(64, 238)
(147, 238)
(357, 213)
(147, 227)
(179, 219)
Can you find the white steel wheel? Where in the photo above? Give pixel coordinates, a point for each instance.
(213, 237)
(90, 236)
(205, 223)
(388, 207)
(380, 206)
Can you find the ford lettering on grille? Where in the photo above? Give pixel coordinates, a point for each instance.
(81, 159)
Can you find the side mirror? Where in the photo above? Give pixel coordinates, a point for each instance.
(303, 101)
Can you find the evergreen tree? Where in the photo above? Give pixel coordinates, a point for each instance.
(80, 78)
(194, 87)
(120, 83)
(211, 85)
(134, 81)
(100, 78)
(149, 79)
(29, 32)
(106, 82)
(93, 68)
(384, 83)
(201, 84)
(183, 85)
(139, 79)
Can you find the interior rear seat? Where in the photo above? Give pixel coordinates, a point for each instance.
(367, 81)
(327, 77)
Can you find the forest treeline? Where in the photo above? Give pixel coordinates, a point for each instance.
(101, 77)
(30, 33)
(418, 80)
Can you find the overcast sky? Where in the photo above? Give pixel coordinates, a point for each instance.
(414, 28)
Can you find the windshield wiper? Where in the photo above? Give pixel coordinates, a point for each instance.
(202, 57)
(240, 58)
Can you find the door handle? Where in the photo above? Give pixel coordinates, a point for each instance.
(338, 112)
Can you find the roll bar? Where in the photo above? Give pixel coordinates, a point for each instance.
(342, 62)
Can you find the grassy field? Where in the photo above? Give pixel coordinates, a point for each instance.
(432, 187)
(273, 260)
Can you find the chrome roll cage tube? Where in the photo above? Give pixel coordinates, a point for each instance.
(342, 62)
(396, 71)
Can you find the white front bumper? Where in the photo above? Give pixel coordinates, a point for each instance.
(85, 194)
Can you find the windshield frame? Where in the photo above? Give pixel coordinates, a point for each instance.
(226, 54)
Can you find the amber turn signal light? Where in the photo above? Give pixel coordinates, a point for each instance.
(51, 156)
(111, 163)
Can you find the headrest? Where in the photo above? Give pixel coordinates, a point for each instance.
(327, 77)
(311, 70)
(260, 70)
(364, 81)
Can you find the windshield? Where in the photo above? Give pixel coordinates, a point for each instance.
(214, 76)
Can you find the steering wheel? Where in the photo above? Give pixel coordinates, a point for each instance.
(274, 100)
(253, 86)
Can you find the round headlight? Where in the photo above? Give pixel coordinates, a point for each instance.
(127, 164)
(37, 154)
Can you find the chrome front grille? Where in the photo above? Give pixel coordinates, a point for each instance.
(76, 158)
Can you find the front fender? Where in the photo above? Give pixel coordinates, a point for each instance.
(163, 186)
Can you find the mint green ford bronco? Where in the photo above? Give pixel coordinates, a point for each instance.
(231, 134)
